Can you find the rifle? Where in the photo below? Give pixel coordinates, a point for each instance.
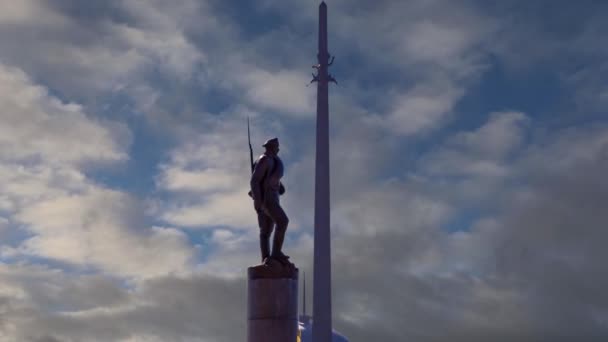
(250, 153)
(250, 148)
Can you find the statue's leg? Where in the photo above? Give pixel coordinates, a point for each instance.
(278, 215)
(266, 226)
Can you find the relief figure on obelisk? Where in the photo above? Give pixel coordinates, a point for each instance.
(266, 187)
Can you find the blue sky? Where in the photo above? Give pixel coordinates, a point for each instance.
(468, 146)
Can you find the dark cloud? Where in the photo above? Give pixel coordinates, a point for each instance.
(538, 273)
(165, 309)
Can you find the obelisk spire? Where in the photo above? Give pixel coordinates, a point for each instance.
(321, 328)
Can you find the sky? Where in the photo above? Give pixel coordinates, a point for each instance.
(469, 153)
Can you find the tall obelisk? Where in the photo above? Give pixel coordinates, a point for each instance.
(321, 328)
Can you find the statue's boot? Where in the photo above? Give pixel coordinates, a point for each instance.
(277, 244)
(265, 246)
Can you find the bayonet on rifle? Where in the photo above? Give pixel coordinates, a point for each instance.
(250, 148)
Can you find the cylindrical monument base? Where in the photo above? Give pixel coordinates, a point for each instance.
(272, 307)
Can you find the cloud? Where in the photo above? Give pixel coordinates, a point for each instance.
(24, 11)
(429, 58)
(422, 108)
(100, 229)
(39, 126)
(491, 232)
(231, 209)
(44, 148)
(393, 263)
(54, 306)
(94, 49)
(483, 152)
(549, 232)
(283, 91)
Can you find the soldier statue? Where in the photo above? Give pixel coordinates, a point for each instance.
(266, 187)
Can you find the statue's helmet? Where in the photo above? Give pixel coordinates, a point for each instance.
(271, 142)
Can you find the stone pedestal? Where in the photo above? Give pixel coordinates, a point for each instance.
(272, 305)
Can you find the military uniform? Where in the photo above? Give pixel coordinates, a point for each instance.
(265, 189)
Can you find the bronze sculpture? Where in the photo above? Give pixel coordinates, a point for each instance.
(266, 187)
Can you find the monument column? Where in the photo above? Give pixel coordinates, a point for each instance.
(272, 306)
(321, 328)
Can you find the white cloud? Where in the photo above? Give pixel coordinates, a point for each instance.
(36, 125)
(20, 12)
(101, 229)
(43, 147)
(422, 108)
(432, 50)
(573, 147)
(208, 180)
(233, 209)
(169, 49)
(500, 135)
(436, 42)
(104, 54)
(283, 91)
(483, 152)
